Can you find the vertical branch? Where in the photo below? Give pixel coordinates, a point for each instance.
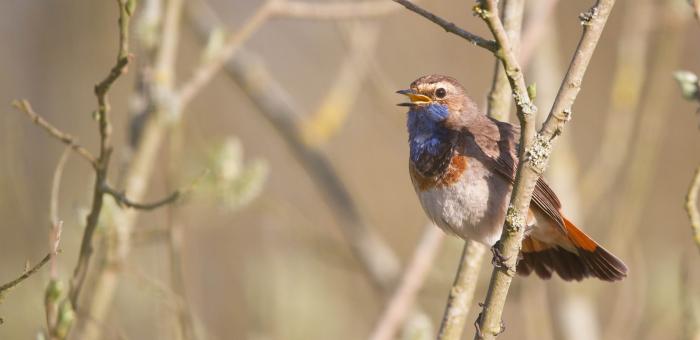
(533, 157)
(102, 164)
(500, 95)
(462, 293)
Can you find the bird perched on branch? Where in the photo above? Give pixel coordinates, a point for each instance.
(462, 165)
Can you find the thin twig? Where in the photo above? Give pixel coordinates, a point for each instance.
(403, 298)
(691, 206)
(462, 293)
(122, 200)
(449, 26)
(535, 30)
(24, 106)
(24, 276)
(102, 164)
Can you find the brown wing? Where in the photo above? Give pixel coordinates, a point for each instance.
(499, 143)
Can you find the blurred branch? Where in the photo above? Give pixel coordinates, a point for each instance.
(500, 94)
(25, 275)
(340, 98)
(274, 8)
(277, 106)
(462, 293)
(450, 27)
(691, 319)
(333, 10)
(691, 206)
(696, 8)
(627, 85)
(404, 296)
(535, 29)
(122, 200)
(24, 106)
(211, 65)
(653, 118)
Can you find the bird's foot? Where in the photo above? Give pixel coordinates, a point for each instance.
(499, 260)
(479, 334)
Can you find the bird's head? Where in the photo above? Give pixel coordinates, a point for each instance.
(437, 98)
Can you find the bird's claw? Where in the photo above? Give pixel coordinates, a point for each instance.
(480, 335)
(499, 260)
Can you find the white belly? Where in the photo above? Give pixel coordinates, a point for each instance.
(473, 207)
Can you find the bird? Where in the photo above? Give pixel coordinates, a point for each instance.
(462, 165)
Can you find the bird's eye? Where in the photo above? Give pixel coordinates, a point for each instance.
(440, 93)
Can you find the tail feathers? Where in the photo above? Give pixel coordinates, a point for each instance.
(588, 260)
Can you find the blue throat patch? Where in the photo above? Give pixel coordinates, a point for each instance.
(426, 135)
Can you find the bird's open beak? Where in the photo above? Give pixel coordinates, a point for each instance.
(416, 98)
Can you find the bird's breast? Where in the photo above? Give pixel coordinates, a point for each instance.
(465, 199)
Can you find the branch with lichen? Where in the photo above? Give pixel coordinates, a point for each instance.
(462, 293)
(534, 148)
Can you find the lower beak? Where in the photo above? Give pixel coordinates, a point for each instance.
(416, 98)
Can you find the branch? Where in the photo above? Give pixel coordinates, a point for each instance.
(534, 156)
(403, 298)
(203, 74)
(462, 293)
(500, 94)
(24, 106)
(333, 10)
(24, 276)
(691, 206)
(450, 27)
(122, 200)
(102, 164)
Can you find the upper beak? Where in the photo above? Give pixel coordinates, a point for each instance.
(416, 98)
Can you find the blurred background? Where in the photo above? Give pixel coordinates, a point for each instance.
(307, 168)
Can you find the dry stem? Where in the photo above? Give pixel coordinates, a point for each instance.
(24, 106)
(102, 164)
(403, 298)
(450, 27)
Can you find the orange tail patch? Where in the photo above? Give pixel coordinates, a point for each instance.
(589, 258)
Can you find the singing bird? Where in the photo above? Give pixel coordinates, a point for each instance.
(462, 165)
